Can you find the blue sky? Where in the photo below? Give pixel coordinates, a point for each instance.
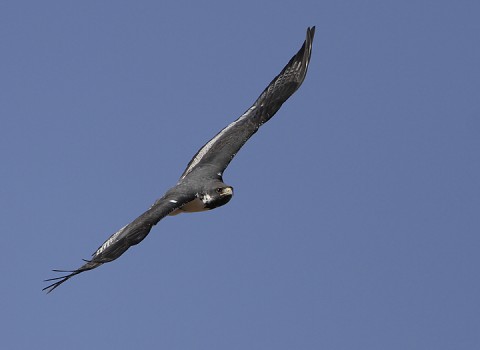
(355, 222)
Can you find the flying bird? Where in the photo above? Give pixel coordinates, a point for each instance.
(201, 185)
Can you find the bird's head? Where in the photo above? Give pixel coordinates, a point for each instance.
(218, 195)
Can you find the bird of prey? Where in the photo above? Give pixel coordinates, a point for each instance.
(201, 186)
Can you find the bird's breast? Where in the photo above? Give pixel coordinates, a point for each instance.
(191, 207)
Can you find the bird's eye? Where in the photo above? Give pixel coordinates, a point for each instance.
(219, 190)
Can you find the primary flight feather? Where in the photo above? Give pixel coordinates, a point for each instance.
(201, 186)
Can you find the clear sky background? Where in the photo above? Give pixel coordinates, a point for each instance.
(355, 222)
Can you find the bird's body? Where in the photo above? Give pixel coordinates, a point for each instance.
(201, 186)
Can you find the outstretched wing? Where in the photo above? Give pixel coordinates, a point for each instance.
(129, 235)
(219, 151)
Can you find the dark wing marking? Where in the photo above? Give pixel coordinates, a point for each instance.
(127, 236)
(220, 150)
